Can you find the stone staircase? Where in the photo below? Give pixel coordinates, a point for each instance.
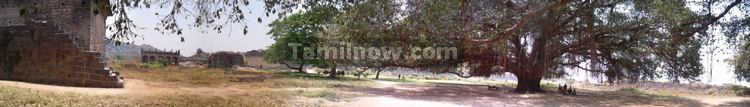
(51, 55)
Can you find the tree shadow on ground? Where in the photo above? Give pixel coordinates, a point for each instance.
(743, 103)
(480, 96)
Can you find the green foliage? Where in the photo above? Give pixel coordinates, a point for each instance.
(23, 12)
(741, 63)
(438, 23)
(627, 39)
(296, 32)
(118, 58)
(741, 90)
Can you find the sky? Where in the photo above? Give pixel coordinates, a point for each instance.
(233, 40)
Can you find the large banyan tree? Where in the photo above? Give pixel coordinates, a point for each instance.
(624, 40)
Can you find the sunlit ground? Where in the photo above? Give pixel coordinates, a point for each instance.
(175, 86)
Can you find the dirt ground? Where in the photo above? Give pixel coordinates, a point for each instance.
(133, 87)
(398, 94)
(395, 94)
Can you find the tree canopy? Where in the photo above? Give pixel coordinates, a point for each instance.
(625, 40)
(295, 34)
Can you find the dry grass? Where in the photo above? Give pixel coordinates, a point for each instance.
(22, 97)
(223, 78)
(173, 74)
(225, 89)
(192, 77)
(257, 98)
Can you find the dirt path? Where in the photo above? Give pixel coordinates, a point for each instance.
(395, 94)
(710, 100)
(132, 87)
(81, 90)
(721, 101)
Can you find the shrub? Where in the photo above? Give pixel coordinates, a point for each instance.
(741, 90)
(118, 58)
(154, 64)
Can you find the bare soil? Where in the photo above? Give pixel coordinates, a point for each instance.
(395, 94)
(133, 87)
(430, 94)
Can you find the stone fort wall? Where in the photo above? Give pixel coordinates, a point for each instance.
(76, 16)
(57, 42)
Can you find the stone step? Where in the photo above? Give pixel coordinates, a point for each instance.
(84, 68)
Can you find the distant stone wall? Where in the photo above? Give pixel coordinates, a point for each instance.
(167, 57)
(225, 60)
(41, 53)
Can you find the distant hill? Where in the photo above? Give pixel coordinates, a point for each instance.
(126, 50)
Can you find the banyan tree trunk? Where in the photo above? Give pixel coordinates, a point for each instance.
(529, 82)
(528, 85)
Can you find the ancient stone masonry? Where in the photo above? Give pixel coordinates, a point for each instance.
(225, 60)
(166, 57)
(57, 42)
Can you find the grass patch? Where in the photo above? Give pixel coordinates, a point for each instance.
(188, 76)
(22, 97)
(219, 77)
(258, 88)
(258, 98)
(326, 94)
(153, 64)
(263, 87)
(548, 85)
